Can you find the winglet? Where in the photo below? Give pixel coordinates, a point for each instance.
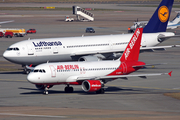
(30, 65)
(170, 73)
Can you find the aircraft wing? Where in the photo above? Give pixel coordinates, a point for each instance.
(122, 76)
(141, 22)
(173, 26)
(6, 21)
(142, 49)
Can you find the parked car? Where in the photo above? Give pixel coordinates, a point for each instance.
(1, 34)
(8, 34)
(90, 30)
(31, 31)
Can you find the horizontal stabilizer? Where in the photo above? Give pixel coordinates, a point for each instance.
(148, 65)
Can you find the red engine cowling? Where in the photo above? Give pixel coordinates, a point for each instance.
(91, 85)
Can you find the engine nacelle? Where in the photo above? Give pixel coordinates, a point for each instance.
(89, 58)
(91, 85)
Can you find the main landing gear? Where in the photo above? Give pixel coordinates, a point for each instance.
(101, 91)
(68, 89)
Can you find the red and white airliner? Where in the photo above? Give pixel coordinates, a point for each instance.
(92, 75)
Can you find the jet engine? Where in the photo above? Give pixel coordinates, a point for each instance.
(91, 85)
(89, 58)
(160, 38)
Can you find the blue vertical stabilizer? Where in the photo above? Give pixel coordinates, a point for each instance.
(159, 20)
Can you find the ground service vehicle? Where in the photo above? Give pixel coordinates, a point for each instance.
(31, 31)
(1, 34)
(16, 31)
(68, 19)
(8, 34)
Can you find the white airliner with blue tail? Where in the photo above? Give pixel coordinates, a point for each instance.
(91, 48)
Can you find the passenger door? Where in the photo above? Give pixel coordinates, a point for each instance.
(30, 50)
(53, 71)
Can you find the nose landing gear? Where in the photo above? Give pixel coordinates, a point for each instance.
(46, 87)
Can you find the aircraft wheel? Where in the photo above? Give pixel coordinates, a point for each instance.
(69, 89)
(46, 92)
(101, 91)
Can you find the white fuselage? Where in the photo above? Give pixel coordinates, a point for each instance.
(37, 51)
(68, 72)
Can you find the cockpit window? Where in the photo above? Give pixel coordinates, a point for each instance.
(36, 70)
(39, 70)
(10, 49)
(15, 49)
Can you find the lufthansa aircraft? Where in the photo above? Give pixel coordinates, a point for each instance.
(171, 24)
(90, 48)
(92, 75)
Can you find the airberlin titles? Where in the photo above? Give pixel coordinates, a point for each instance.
(67, 67)
(44, 43)
(131, 45)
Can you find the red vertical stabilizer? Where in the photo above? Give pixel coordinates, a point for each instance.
(131, 52)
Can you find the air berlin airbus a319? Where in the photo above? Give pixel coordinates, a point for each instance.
(91, 75)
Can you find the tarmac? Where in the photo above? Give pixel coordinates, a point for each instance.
(135, 98)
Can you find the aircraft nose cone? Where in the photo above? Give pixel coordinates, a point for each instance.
(6, 55)
(31, 78)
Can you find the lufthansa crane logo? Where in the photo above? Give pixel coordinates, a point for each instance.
(163, 14)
